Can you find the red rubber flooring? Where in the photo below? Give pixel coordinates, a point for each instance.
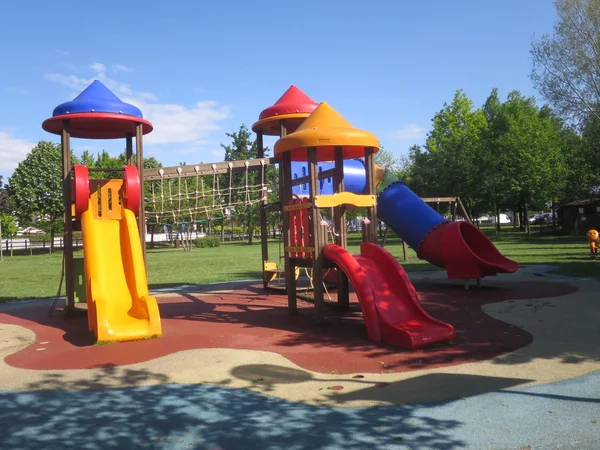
(249, 318)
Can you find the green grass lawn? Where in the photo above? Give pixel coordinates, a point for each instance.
(23, 277)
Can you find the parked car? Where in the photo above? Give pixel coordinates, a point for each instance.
(536, 219)
(547, 217)
(31, 230)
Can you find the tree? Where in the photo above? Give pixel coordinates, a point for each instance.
(36, 187)
(386, 159)
(530, 147)
(456, 148)
(566, 65)
(5, 201)
(9, 225)
(243, 148)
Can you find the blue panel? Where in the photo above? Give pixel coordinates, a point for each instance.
(97, 98)
(406, 214)
(354, 177)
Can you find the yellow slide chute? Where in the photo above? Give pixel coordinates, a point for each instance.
(119, 305)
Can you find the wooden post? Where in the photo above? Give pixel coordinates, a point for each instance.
(290, 268)
(264, 234)
(343, 289)
(139, 153)
(317, 236)
(65, 140)
(385, 236)
(462, 207)
(404, 250)
(371, 190)
(129, 151)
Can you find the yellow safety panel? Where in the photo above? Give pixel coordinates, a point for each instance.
(344, 198)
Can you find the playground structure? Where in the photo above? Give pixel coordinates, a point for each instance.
(389, 302)
(594, 239)
(119, 305)
(323, 163)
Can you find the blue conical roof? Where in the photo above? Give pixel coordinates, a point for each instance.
(97, 98)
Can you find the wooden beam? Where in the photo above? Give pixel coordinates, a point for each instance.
(464, 210)
(218, 168)
(65, 140)
(317, 238)
(371, 190)
(343, 287)
(385, 235)
(273, 207)
(264, 244)
(290, 268)
(438, 199)
(129, 149)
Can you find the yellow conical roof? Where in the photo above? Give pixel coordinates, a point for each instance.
(326, 129)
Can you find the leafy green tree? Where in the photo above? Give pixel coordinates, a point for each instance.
(5, 200)
(566, 64)
(456, 150)
(386, 159)
(36, 187)
(420, 173)
(531, 149)
(9, 225)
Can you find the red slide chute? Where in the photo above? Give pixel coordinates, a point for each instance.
(389, 302)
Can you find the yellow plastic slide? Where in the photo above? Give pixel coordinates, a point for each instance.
(119, 306)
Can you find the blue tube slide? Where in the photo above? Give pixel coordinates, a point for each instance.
(407, 214)
(354, 177)
(398, 206)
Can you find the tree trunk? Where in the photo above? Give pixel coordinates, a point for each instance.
(471, 216)
(521, 218)
(497, 211)
(51, 239)
(250, 232)
(526, 217)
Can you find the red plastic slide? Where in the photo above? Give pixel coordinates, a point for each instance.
(388, 299)
(464, 251)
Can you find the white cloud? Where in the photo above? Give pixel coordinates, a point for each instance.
(12, 151)
(62, 52)
(98, 67)
(121, 68)
(410, 131)
(173, 123)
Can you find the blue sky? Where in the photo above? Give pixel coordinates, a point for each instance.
(199, 69)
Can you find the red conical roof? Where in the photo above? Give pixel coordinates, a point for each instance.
(291, 102)
(292, 107)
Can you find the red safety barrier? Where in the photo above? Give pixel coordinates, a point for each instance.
(299, 228)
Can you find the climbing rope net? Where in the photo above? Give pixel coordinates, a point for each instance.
(188, 199)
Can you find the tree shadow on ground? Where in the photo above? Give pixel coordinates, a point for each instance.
(205, 417)
(428, 388)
